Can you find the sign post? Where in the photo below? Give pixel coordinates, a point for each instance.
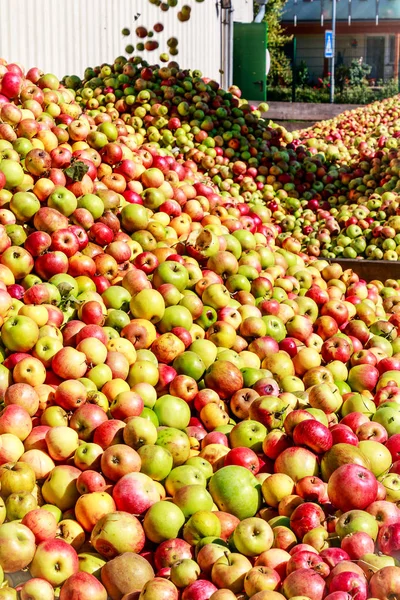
(330, 43)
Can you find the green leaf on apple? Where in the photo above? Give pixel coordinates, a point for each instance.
(77, 170)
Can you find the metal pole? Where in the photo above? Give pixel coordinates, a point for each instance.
(294, 69)
(230, 47)
(332, 95)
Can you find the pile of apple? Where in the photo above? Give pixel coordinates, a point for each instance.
(341, 173)
(193, 407)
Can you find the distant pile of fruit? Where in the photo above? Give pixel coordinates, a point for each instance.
(196, 406)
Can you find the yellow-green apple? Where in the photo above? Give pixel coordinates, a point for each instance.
(341, 454)
(17, 547)
(37, 589)
(162, 521)
(16, 477)
(229, 572)
(171, 411)
(156, 461)
(60, 487)
(356, 520)
(19, 333)
(193, 498)
(379, 456)
(61, 442)
(176, 441)
(184, 572)
(54, 561)
(202, 524)
(19, 504)
(116, 533)
(182, 476)
(231, 484)
(276, 487)
(138, 432)
(253, 536)
(297, 463)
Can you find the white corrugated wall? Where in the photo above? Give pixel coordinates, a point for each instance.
(65, 36)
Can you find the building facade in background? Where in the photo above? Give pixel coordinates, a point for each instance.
(64, 37)
(367, 30)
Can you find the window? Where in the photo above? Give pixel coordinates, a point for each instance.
(391, 49)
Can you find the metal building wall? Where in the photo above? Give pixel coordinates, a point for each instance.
(65, 36)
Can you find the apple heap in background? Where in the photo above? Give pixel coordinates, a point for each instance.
(194, 407)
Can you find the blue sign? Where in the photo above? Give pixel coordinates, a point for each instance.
(328, 44)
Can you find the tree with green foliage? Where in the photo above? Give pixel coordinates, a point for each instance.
(280, 72)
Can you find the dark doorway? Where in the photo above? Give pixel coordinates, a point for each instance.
(376, 56)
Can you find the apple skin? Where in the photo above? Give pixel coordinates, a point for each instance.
(232, 483)
(17, 546)
(83, 585)
(384, 583)
(304, 582)
(137, 572)
(116, 533)
(352, 487)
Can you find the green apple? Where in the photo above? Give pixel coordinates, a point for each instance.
(117, 297)
(62, 200)
(175, 316)
(138, 432)
(234, 489)
(275, 327)
(19, 333)
(249, 434)
(253, 536)
(19, 504)
(203, 523)
(184, 572)
(193, 498)
(183, 476)
(216, 295)
(91, 562)
(95, 205)
(176, 441)
(172, 411)
(60, 487)
(391, 483)
(379, 456)
(163, 521)
(156, 461)
(173, 272)
(202, 464)
(24, 205)
(13, 172)
(389, 418)
(357, 520)
(147, 304)
(206, 350)
(189, 363)
(342, 454)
